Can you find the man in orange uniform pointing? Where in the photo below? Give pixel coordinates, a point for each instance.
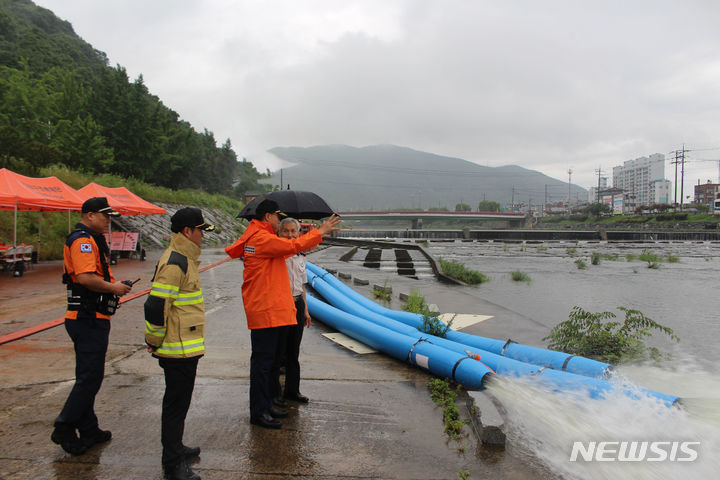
(267, 298)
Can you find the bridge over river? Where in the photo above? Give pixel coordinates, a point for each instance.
(496, 219)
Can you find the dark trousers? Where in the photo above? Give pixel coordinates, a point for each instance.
(90, 337)
(288, 353)
(179, 385)
(264, 343)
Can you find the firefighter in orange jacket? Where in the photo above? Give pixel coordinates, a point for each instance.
(267, 297)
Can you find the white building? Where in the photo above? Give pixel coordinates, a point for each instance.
(638, 179)
(660, 191)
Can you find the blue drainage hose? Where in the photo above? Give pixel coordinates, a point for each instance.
(404, 342)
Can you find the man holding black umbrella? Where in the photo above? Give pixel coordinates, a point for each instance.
(267, 297)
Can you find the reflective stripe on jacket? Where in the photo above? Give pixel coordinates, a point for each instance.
(266, 285)
(174, 310)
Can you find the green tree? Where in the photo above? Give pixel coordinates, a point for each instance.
(462, 207)
(597, 209)
(488, 206)
(248, 178)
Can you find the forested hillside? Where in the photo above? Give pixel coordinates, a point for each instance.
(60, 102)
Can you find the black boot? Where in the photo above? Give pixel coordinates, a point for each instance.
(277, 412)
(190, 452)
(181, 471)
(95, 436)
(65, 436)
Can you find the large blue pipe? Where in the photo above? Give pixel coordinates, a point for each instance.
(524, 353)
(441, 362)
(499, 364)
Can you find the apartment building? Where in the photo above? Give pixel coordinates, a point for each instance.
(642, 180)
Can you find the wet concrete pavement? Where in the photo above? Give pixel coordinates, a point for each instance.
(370, 416)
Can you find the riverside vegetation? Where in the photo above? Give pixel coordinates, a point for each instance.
(460, 272)
(590, 335)
(653, 259)
(431, 324)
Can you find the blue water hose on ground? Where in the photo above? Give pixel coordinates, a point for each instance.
(442, 362)
(523, 353)
(384, 340)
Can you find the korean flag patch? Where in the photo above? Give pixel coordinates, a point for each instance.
(85, 248)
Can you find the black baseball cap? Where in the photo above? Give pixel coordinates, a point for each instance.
(189, 217)
(100, 205)
(268, 206)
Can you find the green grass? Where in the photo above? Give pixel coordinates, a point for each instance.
(460, 272)
(580, 264)
(443, 395)
(383, 293)
(431, 324)
(519, 276)
(650, 257)
(653, 259)
(595, 258)
(613, 219)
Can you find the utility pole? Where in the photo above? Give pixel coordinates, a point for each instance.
(680, 159)
(512, 203)
(546, 199)
(599, 173)
(569, 185)
(675, 197)
(682, 175)
(281, 180)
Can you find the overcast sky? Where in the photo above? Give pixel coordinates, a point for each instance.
(547, 85)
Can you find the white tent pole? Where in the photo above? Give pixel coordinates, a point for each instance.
(15, 229)
(38, 241)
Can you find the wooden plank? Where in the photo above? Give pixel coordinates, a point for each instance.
(349, 343)
(462, 320)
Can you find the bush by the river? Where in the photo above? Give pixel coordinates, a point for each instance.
(460, 272)
(591, 335)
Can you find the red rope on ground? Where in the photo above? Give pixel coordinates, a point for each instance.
(59, 321)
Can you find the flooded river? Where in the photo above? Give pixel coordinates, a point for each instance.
(682, 295)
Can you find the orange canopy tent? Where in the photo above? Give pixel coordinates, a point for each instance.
(121, 199)
(48, 194)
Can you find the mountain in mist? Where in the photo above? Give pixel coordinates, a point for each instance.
(383, 177)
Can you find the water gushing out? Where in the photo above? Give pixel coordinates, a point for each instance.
(578, 437)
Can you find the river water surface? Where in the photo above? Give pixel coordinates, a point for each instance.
(682, 295)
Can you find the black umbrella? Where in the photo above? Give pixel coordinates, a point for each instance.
(294, 203)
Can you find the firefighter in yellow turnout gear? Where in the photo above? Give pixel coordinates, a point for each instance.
(175, 331)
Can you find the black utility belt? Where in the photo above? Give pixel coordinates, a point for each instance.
(102, 303)
(297, 298)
